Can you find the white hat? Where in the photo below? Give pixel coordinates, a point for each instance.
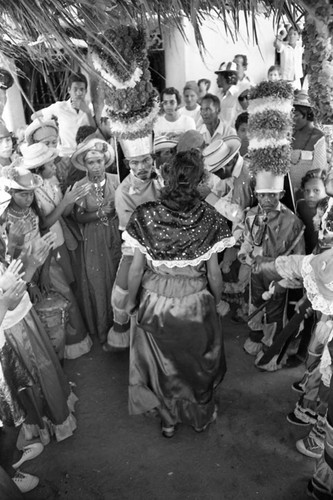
(92, 145)
(36, 155)
(137, 147)
(218, 153)
(163, 142)
(20, 178)
(268, 182)
(48, 126)
(227, 66)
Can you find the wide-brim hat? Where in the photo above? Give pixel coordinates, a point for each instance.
(227, 66)
(317, 272)
(36, 155)
(20, 178)
(268, 182)
(218, 153)
(163, 142)
(4, 200)
(301, 98)
(137, 147)
(38, 124)
(95, 144)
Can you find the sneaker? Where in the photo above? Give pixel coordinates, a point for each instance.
(29, 452)
(296, 386)
(309, 447)
(25, 482)
(292, 419)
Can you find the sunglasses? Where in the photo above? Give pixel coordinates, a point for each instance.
(244, 98)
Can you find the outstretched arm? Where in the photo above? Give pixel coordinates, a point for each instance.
(214, 277)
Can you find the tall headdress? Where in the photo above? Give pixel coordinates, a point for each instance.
(270, 130)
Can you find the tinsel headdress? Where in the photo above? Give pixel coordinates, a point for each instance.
(270, 131)
(131, 102)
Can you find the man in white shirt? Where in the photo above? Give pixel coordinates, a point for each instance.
(244, 82)
(213, 128)
(172, 124)
(291, 57)
(227, 79)
(71, 114)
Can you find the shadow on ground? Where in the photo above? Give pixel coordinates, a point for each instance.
(248, 454)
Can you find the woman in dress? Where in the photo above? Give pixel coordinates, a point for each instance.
(33, 388)
(308, 143)
(55, 275)
(101, 239)
(176, 352)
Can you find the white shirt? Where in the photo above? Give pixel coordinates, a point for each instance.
(193, 113)
(230, 105)
(222, 130)
(177, 128)
(291, 61)
(69, 121)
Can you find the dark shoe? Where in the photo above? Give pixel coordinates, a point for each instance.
(296, 386)
(292, 419)
(168, 432)
(293, 361)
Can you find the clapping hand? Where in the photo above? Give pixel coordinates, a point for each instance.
(74, 193)
(13, 296)
(12, 274)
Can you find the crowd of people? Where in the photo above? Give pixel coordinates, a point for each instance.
(149, 256)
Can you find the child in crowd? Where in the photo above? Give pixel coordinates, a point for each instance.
(274, 73)
(271, 229)
(191, 108)
(313, 187)
(241, 126)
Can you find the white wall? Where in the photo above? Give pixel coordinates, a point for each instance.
(183, 60)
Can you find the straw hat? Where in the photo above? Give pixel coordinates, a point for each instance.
(227, 66)
(49, 127)
(20, 178)
(163, 142)
(218, 153)
(317, 272)
(92, 145)
(301, 98)
(36, 155)
(192, 139)
(4, 200)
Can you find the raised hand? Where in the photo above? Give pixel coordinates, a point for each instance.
(12, 274)
(74, 193)
(13, 296)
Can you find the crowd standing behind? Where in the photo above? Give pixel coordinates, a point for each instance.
(150, 262)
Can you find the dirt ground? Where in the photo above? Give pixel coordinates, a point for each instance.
(248, 454)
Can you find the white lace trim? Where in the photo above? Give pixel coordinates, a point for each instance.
(113, 80)
(318, 302)
(218, 247)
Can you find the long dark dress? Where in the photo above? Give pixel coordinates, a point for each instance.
(176, 353)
